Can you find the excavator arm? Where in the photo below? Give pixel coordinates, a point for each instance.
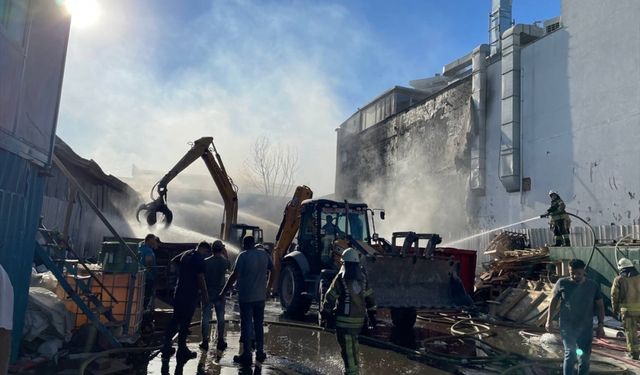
(288, 228)
(226, 187)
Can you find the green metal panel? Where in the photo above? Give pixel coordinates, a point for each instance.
(602, 267)
(117, 258)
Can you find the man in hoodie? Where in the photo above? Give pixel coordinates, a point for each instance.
(625, 300)
(349, 302)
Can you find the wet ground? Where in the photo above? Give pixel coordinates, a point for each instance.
(300, 350)
(290, 350)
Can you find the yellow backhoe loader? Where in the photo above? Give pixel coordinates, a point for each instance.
(406, 274)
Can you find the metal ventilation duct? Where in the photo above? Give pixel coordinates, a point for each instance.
(499, 22)
(513, 40)
(478, 118)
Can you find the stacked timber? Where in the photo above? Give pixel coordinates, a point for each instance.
(516, 284)
(506, 241)
(530, 268)
(514, 266)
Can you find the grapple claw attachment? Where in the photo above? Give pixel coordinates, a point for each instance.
(152, 209)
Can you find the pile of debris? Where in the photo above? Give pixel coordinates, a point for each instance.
(517, 282)
(511, 267)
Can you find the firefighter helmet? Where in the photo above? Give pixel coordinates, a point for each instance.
(624, 263)
(551, 192)
(350, 255)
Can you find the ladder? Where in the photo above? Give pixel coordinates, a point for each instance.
(84, 298)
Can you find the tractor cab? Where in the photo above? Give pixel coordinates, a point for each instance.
(323, 222)
(238, 231)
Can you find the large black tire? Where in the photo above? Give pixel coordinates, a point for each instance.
(290, 288)
(403, 317)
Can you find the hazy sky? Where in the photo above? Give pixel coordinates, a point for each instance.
(152, 75)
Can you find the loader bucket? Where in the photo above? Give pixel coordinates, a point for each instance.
(415, 282)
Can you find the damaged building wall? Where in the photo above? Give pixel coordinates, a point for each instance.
(115, 199)
(414, 164)
(562, 115)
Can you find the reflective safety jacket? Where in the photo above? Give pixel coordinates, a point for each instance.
(349, 301)
(557, 210)
(625, 292)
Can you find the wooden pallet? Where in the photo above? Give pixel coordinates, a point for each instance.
(528, 307)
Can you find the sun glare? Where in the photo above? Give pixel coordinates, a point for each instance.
(83, 12)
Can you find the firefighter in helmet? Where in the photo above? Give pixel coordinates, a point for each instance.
(349, 303)
(560, 222)
(625, 300)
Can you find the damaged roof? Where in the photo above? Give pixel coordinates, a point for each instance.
(87, 168)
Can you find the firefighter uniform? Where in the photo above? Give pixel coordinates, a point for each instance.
(625, 300)
(560, 222)
(351, 303)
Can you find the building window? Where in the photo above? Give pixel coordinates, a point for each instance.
(377, 111)
(13, 19)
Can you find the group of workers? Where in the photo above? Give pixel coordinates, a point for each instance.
(348, 302)
(202, 278)
(575, 298)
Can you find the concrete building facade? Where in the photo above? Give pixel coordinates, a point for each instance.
(553, 107)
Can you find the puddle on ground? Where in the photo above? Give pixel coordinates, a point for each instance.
(290, 351)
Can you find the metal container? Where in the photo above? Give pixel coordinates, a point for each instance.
(116, 258)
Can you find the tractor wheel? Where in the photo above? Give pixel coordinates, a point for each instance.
(290, 289)
(403, 317)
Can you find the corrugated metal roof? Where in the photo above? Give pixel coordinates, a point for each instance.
(80, 166)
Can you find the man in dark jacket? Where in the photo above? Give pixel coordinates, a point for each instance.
(349, 302)
(625, 300)
(190, 280)
(215, 275)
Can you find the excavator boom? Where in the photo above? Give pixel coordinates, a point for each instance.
(205, 149)
(288, 228)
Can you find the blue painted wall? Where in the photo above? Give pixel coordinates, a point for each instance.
(21, 193)
(32, 60)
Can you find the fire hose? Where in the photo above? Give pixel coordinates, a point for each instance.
(480, 329)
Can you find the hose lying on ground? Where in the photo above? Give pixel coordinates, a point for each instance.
(494, 355)
(485, 329)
